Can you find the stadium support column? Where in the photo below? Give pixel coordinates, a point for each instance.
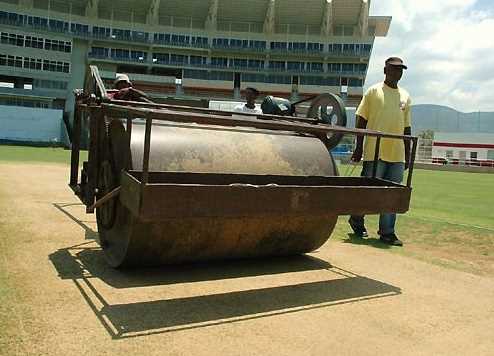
(212, 19)
(236, 86)
(179, 89)
(80, 49)
(269, 21)
(327, 19)
(92, 9)
(153, 15)
(19, 83)
(364, 18)
(294, 94)
(344, 91)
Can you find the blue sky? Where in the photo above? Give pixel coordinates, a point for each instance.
(449, 47)
(483, 5)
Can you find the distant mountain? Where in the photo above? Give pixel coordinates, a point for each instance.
(443, 119)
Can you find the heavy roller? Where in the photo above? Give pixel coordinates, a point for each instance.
(173, 184)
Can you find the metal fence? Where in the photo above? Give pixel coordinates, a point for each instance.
(343, 153)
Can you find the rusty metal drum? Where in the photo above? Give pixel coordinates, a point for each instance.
(129, 240)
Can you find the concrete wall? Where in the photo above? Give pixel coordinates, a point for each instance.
(223, 105)
(227, 105)
(207, 84)
(267, 87)
(78, 73)
(316, 89)
(441, 152)
(30, 124)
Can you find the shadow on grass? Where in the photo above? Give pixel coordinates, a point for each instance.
(89, 233)
(370, 241)
(84, 265)
(83, 260)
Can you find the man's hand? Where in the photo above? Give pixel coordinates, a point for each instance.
(122, 94)
(357, 154)
(359, 142)
(138, 94)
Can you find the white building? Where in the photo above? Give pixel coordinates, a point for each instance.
(463, 147)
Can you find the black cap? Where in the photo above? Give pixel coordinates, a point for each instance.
(396, 61)
(254, 90)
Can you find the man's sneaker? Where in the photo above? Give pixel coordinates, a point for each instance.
(391, 239)
(359, 231)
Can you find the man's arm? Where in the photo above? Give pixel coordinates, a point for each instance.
(407, 132)
(138, 95)
(359, 147)
(131, 94)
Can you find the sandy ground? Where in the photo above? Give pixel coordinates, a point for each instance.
(342, 299)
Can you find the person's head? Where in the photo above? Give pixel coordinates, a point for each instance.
(251, 95)
(122, 81)
(393, 70)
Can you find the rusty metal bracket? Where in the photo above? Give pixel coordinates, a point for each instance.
(98, 105)
(113, 194)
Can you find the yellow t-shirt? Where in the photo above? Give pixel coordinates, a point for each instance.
(387, 110)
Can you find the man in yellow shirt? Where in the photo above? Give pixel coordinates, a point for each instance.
(385, 107)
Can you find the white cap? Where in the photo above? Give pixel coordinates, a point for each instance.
(121, 78)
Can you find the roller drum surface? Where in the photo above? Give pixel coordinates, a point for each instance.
(192, 148)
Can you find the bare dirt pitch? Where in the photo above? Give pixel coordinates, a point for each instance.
(59, 297)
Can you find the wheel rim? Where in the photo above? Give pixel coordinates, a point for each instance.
(105, 213)
(329, 109)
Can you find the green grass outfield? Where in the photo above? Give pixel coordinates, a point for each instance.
(37, 154)
(450, 197)
(450, 222)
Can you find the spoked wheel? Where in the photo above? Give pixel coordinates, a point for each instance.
(329, 109)
(105, 214)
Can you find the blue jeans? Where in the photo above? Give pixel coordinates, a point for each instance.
(392, 171)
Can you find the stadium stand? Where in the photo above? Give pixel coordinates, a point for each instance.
(215, 47)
